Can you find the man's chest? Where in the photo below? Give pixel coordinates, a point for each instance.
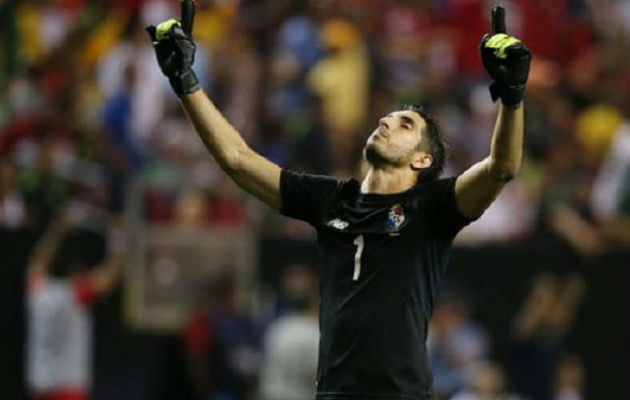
(390, 220)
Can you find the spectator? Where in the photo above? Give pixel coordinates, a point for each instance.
(455, 342)
(60, 291)
(538, 333)
(290, 348)
(487, 382)
(569, 384)
(144, 90)
(341, 81)
(610, 195)
(42, 187)
(222, 344)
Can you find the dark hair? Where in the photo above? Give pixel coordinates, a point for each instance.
(78, 251)
(433, 142)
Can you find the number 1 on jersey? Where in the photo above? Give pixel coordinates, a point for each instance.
(360, 243)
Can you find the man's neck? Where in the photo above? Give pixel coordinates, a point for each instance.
(388, 180)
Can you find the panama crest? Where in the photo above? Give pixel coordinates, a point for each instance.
(395, 217)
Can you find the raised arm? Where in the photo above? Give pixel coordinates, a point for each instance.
(175, 52)
(480, 184)
(252, 172)
(507, 61)
(105, 276)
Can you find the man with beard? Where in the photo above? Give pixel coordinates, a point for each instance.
(384, 242)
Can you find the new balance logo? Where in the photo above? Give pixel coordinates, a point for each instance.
(338, 224)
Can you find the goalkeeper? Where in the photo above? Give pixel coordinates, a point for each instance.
(384, 242)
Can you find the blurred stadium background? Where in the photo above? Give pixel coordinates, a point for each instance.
(218, 294)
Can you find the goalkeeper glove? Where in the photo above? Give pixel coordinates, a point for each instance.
(175, 50)
(507, 61)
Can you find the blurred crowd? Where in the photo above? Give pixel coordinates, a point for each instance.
(85, 114)
(273, 356)
(85, 110)
(538, 364)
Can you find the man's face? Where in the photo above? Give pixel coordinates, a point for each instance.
(396, 140)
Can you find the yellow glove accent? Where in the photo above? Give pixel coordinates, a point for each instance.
(165, 27)
(499, 42)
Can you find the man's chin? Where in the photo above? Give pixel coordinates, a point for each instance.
(374, 156)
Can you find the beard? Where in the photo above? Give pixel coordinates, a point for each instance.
(377, 158)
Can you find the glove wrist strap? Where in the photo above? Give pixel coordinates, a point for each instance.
(511, 96)
(184, 83)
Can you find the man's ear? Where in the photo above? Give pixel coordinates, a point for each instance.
(421, 160)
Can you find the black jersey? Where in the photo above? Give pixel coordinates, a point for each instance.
(381, 261)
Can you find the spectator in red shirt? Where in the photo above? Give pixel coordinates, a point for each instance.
(60, 292)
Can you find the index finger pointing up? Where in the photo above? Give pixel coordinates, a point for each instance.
(188, 16)
(498, 20)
